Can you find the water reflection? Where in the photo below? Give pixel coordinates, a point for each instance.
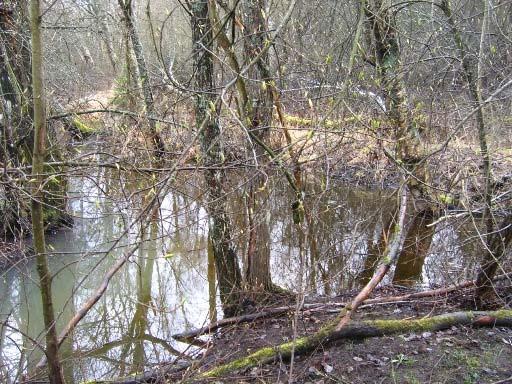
(416, 246)
(169, 285)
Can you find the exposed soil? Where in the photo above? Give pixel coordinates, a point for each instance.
(456, 355)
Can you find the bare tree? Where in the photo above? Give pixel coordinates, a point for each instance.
(149, 104)
(38, 196)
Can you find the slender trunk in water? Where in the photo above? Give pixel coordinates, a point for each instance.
(38, 158)
(226, 262)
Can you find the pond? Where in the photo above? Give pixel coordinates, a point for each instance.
(168, 285)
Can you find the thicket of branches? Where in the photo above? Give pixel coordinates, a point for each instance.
(228, 104)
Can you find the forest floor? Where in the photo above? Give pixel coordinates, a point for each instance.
(456, 355)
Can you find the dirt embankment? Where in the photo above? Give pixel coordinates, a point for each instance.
(458, 354)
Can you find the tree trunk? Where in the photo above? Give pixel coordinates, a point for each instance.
(38, 158)
(103, 29)
(16, 131)
(496, 243)
(207, 121)
(390, 73)
(156, 140)
(258, 110)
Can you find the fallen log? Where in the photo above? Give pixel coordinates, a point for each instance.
(360, 330)
(194, 333)
(434, 292)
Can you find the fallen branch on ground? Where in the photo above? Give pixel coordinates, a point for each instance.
(390, 256)
(194, 333)
(240, 319)
(361, 330)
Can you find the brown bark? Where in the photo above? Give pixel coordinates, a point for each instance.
(16, 136)
(104, 31)
(207, 121)
(258, 109)
(498, 244)
(255, 103)
(408, 133)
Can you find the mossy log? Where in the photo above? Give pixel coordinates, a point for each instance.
(360, 330)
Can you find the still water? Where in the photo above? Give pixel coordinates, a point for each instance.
(168, 286)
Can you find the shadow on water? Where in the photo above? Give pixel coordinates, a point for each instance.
(169, 284)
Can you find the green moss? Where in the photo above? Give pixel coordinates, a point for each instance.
(326, 123)
(258, 357)
(121, 95)
(304, 344)
(83, 128)
(395, 326)
(264, 355)
(448, 199)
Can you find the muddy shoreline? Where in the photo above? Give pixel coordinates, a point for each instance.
(457, 355)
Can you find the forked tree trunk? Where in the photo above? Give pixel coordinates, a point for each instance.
(207, 121)
(408, 133)
(38, 158)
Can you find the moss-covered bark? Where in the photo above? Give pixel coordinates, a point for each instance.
(16, 134)
(408, 130)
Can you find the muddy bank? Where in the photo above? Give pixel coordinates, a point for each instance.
(456, 355)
